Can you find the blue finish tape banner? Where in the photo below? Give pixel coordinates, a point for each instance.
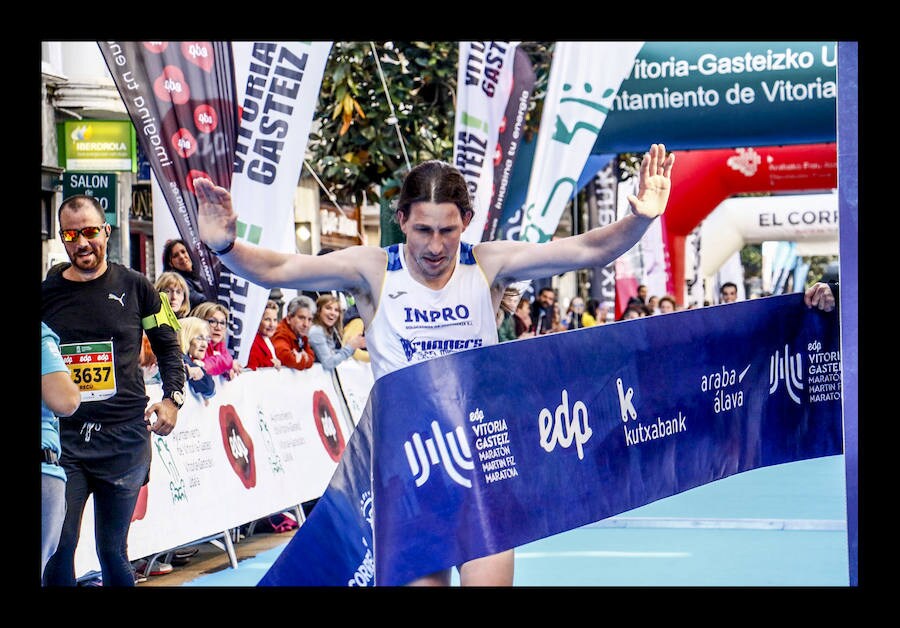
(489, 449)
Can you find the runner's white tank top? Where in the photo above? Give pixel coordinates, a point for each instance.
(414, 323)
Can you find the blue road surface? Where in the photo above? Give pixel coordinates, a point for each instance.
(781, 526)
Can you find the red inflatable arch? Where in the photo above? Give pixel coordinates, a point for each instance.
(702, 179)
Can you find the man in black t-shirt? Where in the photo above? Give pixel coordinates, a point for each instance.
(100, 311)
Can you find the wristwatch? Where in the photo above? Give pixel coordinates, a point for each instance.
(177, 397)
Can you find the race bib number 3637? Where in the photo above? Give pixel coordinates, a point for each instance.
(92, 368)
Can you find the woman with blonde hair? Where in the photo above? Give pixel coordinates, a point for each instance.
(325, 334)
(176, 288)
(218, 360)
(194, 337)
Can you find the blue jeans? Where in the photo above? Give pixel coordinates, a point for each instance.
(110, 462)
(53, 512)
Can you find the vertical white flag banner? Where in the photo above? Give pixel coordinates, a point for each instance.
(584, 79)
(484, 83)
(277, 84)
(164, 227)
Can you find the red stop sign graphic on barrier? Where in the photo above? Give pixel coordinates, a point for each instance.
(238, 445)
(327, 425)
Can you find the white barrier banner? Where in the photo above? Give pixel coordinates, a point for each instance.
(356, 380)
(266, 442)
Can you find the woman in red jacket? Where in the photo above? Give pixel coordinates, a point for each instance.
(262, 351)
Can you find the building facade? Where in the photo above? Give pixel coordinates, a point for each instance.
(77, 89)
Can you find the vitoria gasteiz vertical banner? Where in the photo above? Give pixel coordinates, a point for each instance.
(484, 83)
(278, 87)
(181, 98)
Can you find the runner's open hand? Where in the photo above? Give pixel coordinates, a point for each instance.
(655, 183)
(216, 217)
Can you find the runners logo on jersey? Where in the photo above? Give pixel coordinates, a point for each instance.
(238, 445)
(426, 349)
(450, 450)
(120, 299)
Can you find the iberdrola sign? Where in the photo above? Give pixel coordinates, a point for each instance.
(724, 94)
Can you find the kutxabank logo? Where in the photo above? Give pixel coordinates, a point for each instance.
(641, 432)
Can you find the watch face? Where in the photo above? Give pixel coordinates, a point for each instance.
(178, 398)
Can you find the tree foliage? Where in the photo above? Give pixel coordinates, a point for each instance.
(378, 116)
(362, 137)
